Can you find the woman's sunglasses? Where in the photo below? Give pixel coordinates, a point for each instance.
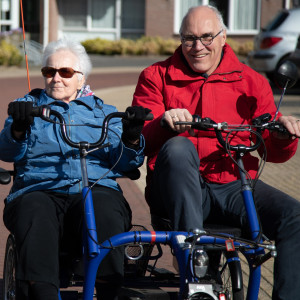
(50, 72)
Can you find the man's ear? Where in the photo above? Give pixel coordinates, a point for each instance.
(224, 36)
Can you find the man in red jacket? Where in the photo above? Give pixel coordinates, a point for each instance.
(190, 178)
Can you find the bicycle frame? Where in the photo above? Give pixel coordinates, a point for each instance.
(255, 271)
(94, 253)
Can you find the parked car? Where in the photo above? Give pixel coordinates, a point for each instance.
(276, 42)
(295, 56)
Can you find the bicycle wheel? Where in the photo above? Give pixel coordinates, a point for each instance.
(9, 270)
(231, 274)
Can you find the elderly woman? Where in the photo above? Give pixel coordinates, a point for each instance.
(44, 204)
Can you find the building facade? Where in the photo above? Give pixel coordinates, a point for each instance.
(47, 20)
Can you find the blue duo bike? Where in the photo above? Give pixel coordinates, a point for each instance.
(197, 252)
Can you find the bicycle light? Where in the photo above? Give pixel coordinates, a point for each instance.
(200, 262)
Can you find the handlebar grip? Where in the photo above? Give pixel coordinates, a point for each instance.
(43, 111)
(278, 127)
(36, 111)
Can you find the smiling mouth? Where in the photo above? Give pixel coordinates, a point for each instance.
(200, 55)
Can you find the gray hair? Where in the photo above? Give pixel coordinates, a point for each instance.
(214, 9)
(83, 64)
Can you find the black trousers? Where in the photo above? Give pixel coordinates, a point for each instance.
(181, 195)
(43, 222)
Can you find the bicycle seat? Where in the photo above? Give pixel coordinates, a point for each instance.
(162, 224)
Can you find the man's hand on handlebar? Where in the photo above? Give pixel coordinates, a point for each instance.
(291, 124)
(175, 115)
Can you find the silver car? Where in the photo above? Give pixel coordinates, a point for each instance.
(295, 56)
(275, 42)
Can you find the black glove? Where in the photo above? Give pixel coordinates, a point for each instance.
(21, 114)
(132, 128)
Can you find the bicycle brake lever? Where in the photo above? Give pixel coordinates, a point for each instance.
(261, 119)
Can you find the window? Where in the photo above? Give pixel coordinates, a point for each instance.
(244, 15)
(185, 5)
(74, 13)
(111, 19)
(7, 18)
(133, 18)
(103, 13)
(5, 9)
(240, 16)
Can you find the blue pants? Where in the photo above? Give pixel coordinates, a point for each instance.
(180, 194)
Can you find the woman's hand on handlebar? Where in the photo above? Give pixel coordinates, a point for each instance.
(292, 125)
(175, 115)
(21, 112)
(133, 124)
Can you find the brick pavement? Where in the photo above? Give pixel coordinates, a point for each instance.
(116, 86)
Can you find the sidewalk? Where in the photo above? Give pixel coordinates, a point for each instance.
(115, 85)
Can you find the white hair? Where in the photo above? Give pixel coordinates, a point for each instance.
(83, 63)
(214, 9)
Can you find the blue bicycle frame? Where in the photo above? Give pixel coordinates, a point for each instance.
(94, 252)
(254, 270)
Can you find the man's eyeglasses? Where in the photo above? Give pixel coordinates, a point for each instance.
(206, 39)
(50, 72)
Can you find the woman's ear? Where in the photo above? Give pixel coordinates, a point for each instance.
(81, 81)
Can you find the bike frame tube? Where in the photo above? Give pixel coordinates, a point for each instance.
(91, 249)
(90, 223)
(248, 201)
(90, 232)
(182, 253)
(174, 239)
(254, 271)
(253, 282)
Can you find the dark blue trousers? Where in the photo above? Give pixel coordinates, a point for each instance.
(180, 194)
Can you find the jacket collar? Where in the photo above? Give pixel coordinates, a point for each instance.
(88, 101)
(229, 66)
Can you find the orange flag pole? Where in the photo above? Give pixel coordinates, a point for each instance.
(26, 59)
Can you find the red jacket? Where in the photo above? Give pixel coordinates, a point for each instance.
(233, 93)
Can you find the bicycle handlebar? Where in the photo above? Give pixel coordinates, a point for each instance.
(260, 123)
(45, 112)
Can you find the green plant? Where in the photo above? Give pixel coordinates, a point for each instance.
(9, 54)
(143, 46)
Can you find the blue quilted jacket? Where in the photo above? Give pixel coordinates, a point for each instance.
(43, 161)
